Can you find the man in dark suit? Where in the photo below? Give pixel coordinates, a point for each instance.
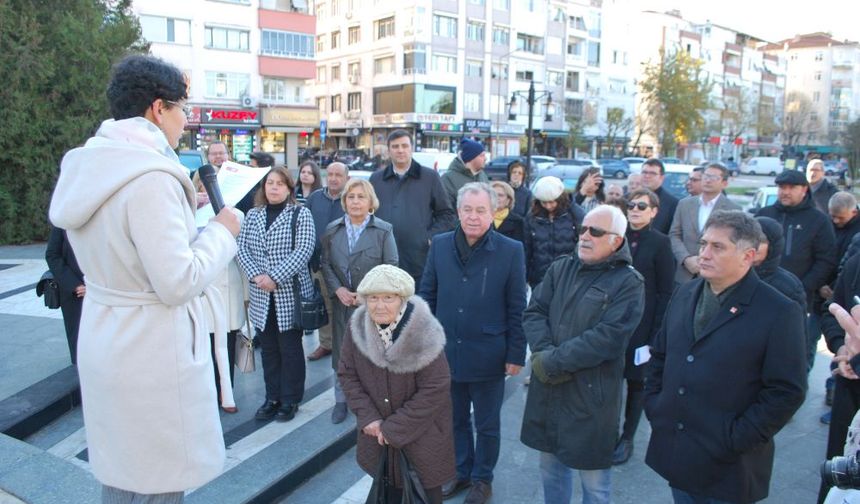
(475, 284)
(690, 217)
(725, 374)
(653, 174)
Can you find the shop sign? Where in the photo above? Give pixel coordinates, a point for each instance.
(477, 125)
(229, 116)
(453, 128)
(412, 117)
(284, 116)
(512, 129)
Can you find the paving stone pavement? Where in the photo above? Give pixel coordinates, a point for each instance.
(32, 347)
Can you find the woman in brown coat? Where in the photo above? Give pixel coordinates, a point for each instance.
(397, 382)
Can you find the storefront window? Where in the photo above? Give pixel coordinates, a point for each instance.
(271, 141)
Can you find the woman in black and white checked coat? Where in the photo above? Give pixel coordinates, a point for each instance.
(267, 255)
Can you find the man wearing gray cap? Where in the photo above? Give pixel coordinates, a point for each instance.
(810, 244)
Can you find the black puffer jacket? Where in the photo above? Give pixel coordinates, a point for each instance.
(522, 201)
(769, 271)
(546, 240)
(810, 245)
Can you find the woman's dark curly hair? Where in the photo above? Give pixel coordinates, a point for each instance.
(138, 80)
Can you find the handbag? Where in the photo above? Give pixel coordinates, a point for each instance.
(310, 311)
(49, 288)
(245, 353)
(413, 491)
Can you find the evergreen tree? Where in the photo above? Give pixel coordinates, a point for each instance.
(55, 59)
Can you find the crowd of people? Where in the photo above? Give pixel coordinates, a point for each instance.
(438, 288)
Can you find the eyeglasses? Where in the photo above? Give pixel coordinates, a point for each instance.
(595, 231)
(185, 108)
(712, 178)
(641, 205)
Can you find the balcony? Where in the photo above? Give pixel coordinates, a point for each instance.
(846, 64)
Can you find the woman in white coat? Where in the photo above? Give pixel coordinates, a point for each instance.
(127, 204)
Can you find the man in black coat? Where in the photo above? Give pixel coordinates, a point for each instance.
(821, 188)
(653, 174)
(412, 199)
(653, 259)
(725, 374)
(810, 244)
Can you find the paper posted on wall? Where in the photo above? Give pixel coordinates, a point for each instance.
(642, 355)
(235, 180)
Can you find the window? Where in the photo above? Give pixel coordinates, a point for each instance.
(444, 63)
(354, 34)
(529, 43)
(383, 65)
(320, 74)
(414, 59)
(501, 35)
(818, 76)
(554, 78)
(615, 55)
(594, 24)
(335, 7)
(353, 101)
(226, 38)
(594, 54)
(472, 102)
(528, 5)
(474, 68)
(819, 56)
(475, 31)
(573, 107)
(525, 75)
(335, 73)
(319, 10)
(574, 46)
(500, 71)
(226, 85)
(321, 104)
(335, 39)
(320, 43)
(444, 26)
(617, 86)
(576, 22)
(477, 2)
(572, 81)
(168, 30)
(294, 45)
(384, 28)
(504, 5)
(335, 103)
(354, 69)
(282, 91)
(816, 96)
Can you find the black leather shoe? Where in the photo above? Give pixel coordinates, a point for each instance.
(338, 414)
(479, 493)
(287, 413)
(454, 487)
(623, 451)
(267, 410)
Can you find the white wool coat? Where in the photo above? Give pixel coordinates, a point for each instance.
(144, 361)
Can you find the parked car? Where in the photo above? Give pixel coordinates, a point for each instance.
(497, 168)
(671, 160)
(573, 167)
(764, 196)
(675, 180)
(569, 175)
(614, 167)
(762, 166)
(352, 158)
(192, 159)
(543, 162)
(635, 163)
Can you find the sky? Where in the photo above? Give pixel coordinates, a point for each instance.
(771, 20)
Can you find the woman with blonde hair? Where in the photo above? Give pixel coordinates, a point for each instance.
(505, 220)
(352, 246)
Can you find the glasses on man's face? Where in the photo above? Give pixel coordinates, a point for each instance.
(640, 205)
(185, 108)
(595, 231)
(712, 178)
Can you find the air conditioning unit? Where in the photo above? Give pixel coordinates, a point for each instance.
(247, 101)
(353, 79)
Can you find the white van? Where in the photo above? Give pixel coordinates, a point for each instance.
(762, 166)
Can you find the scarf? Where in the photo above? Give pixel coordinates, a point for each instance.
(386, 333)
(500, 217)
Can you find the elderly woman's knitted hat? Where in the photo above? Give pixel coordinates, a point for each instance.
(387, 279)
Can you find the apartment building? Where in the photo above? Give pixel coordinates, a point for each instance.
(822, 88)
(248, 62)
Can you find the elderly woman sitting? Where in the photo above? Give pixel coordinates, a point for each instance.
(396, 380)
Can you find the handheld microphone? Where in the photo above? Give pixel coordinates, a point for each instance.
(209, 178)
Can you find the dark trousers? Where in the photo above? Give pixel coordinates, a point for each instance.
(393, 494)
(283, 361)
(846, 402)
(477, 457)
(231, 359)
(71, 309)
(633, 408)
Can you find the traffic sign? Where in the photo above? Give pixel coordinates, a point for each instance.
(323, 129)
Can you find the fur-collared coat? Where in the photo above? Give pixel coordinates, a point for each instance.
(407, 387)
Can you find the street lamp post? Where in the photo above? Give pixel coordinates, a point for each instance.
(532, 97)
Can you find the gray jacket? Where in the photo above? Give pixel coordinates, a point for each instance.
(457, 176)
(685, 233)
(375, 246)
(580, 319)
